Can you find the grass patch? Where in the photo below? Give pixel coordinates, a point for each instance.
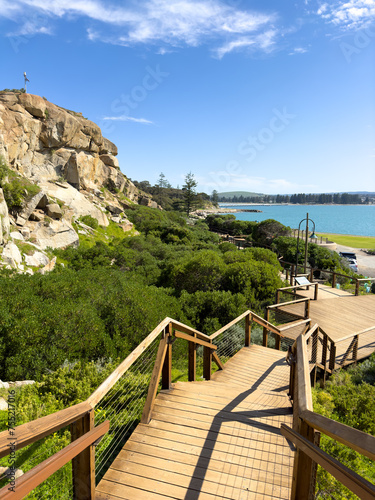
(103, 234)
(351, 241)
(25, 248)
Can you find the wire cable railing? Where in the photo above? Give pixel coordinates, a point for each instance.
(123, 406)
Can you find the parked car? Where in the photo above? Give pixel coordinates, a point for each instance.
(352, 260)
(353, 265)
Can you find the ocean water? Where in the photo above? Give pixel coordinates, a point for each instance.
(339, 219)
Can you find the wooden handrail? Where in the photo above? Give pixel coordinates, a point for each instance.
(340, 432)
(231, 323)
(273, 306)
(263, 322)
(189, 330)
(311, 331)
(110, 381)
(31, 479)
(293, 324)
(195, 340)
(347, 337)
(37, 429)
(292, 287)
(357, 484)
(304, 397)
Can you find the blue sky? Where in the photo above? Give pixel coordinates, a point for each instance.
(271, 96)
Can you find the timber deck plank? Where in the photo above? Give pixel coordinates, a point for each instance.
(217, 439)
(342, 315)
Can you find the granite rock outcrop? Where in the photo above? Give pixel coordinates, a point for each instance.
(75, 169)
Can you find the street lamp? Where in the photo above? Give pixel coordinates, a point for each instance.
(313, 236)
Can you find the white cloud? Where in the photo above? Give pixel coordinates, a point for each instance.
(32, 27)
(298, 50)
(352, 14)
(162, 22)
(262, 41)
(125, 118)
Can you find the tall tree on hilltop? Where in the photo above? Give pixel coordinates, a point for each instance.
(190, 194)
(162, 181)
(214, 197)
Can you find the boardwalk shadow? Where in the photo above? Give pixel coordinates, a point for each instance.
(246, 417)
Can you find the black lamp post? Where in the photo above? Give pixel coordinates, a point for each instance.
(306, 241)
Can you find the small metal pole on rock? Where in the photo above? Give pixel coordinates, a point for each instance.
(26, 80)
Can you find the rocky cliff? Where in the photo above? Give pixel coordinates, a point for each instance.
(74, 168)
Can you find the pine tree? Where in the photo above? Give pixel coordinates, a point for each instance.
(190, 194)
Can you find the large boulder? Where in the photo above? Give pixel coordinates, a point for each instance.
(110, 160)
(34, 104)
(75, 201)
(147, 202)
(11, 255)
(57, 234)
(59, 129)
(53, 210)
(108, 147)
(29, 208)
(37, 259)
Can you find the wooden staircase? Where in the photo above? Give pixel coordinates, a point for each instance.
(212, 439)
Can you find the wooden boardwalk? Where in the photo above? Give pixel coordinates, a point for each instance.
(217, 439)
(342, 315)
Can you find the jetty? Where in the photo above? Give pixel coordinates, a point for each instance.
(242, 425)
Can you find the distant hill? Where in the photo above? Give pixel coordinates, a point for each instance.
(245, 194)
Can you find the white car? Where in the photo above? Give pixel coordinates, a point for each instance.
(353, 265)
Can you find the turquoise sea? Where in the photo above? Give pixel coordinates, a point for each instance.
(340, 219)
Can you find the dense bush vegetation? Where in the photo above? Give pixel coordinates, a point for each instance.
(349, 398)
(109, 296)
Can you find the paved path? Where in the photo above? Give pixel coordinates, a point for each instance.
(366, 263)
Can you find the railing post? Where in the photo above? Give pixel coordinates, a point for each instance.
(192, 361)
(207, 362)
(247, 330)
(166, 374)
(314, 346)
(307, 309)
(292, 377)
(356, 287)
(83, 465)
(265, 336)
(304, 467)
(265, 330)
(324, 355)
(316, 291)
(155, 377)
(333, 280)
(332, 356)
(277, 341)
(355, 348)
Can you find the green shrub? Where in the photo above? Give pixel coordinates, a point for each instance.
(90, 221)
